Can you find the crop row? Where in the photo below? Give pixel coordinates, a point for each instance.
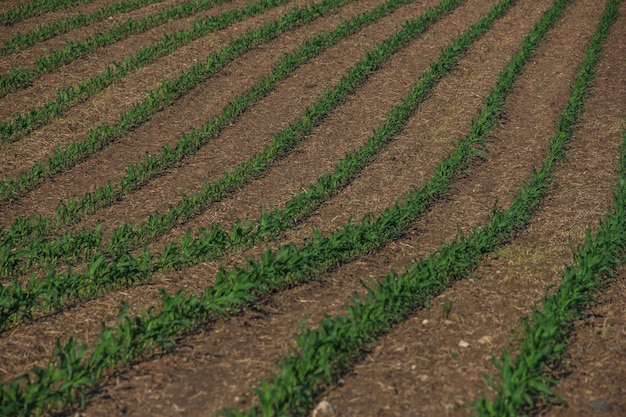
(325, 353)
(125, 269)
(132, 337)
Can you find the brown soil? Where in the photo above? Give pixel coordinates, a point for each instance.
(420, 368)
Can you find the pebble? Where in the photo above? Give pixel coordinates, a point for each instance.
(324, 409)
(600, 405)
(485, 340)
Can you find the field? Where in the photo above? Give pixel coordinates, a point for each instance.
(240, 207)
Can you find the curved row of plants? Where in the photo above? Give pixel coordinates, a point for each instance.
(324, 354)
(525, 376)
(23, 77)
(162, 97)
(67, 97)
(524, 381)
(34, 8)
(22, 41)
(58, 289)
(132, 337)
(74, 245)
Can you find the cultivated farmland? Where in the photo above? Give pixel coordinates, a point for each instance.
(399, 208)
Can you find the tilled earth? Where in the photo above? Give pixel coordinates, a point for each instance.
(433, 364)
